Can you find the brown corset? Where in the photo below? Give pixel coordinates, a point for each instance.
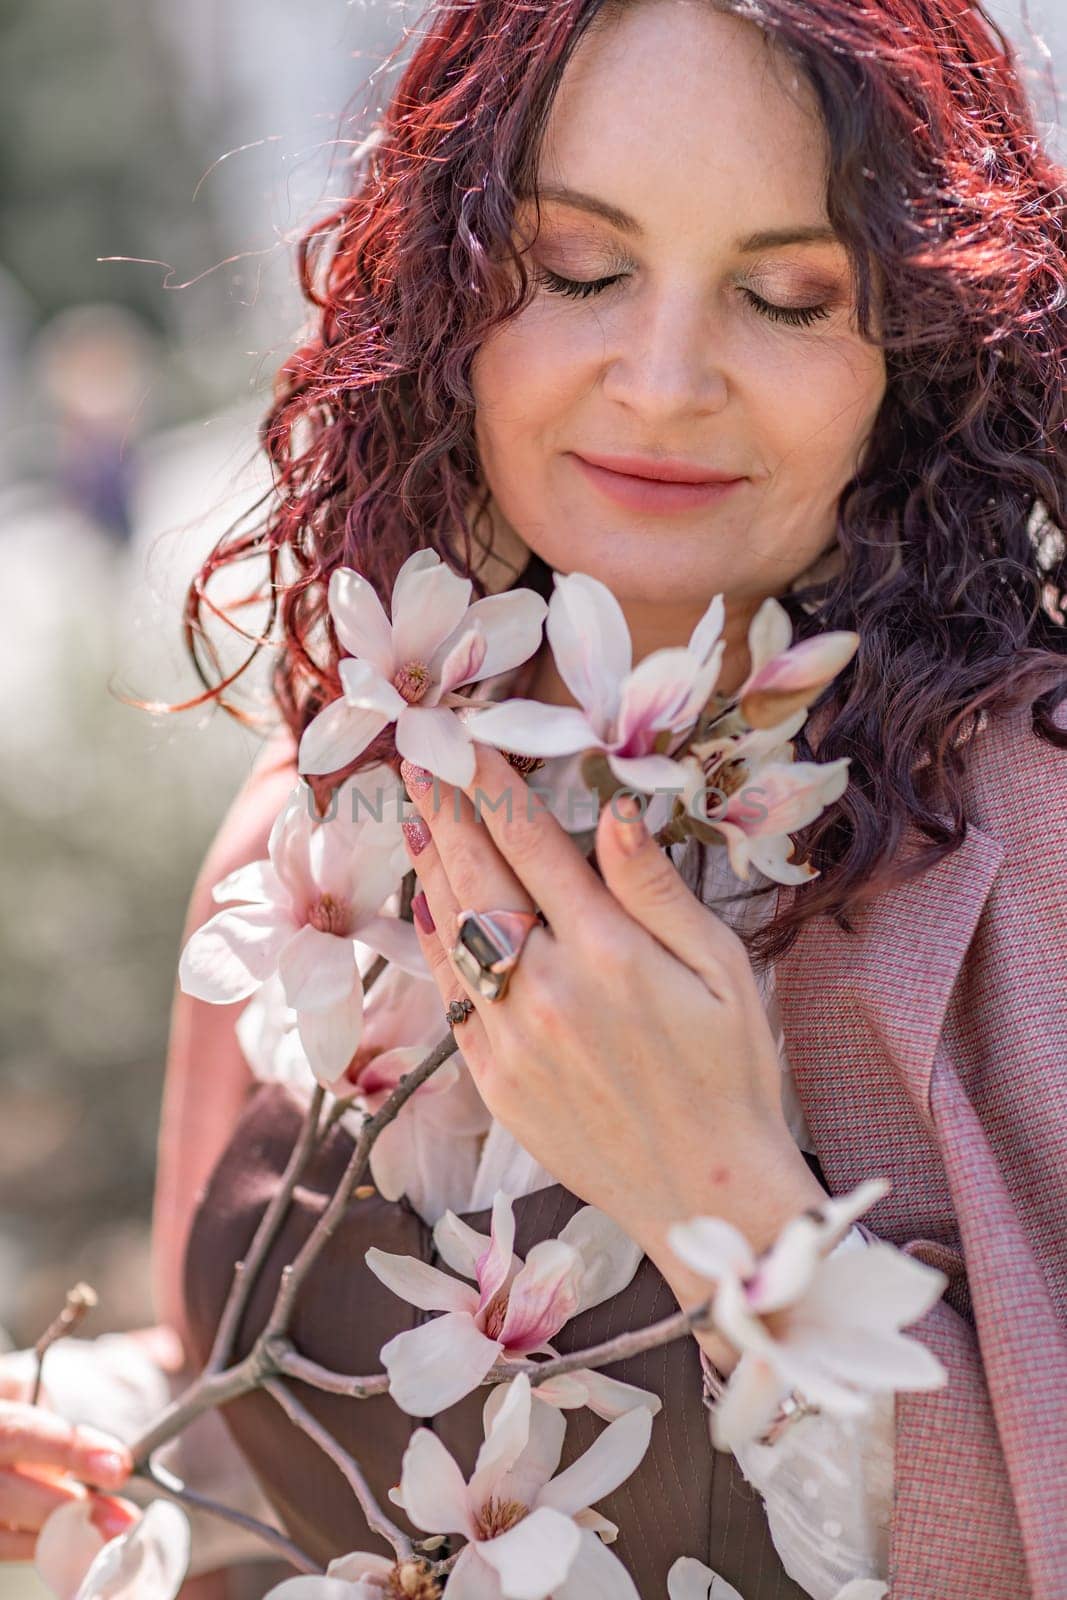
(685, 1498)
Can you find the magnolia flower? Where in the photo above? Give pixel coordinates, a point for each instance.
(515, 1310)
(406, 671)
(825, 1324)
(147, 1562)
(690, 1579)
(360, 1576)
(785, 677)
(307, 909)
(623, 711)
(530, 1535)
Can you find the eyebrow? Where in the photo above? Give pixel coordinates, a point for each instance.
(764, 239)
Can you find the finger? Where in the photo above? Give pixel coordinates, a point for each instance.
(17, 1545)
(471, 1036)
(545, 861)
(30, 1434)
(477, 873)
(647, 885)
(26, 1501)
(110, 1515)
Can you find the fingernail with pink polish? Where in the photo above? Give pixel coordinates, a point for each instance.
(421, 912)
(416, 833)
(630, 829)
(415, 777)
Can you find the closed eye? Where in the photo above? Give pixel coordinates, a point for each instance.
(580, 289)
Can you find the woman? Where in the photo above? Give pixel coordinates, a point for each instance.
(816, 249)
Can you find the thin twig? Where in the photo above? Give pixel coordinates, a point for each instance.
(172, 1486)
(376, 1517)
(80, 1301)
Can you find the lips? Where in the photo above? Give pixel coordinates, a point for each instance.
(659, 471)
(637, 492)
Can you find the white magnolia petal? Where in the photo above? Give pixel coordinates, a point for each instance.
(869, 1360)
(317, 969)
(256, 880)
(67, 1545)
(318, 1588)
(436, 1364)
(458, 1244)
(655, 694)
(769, 633)
(690, 1579)
(788, 794)
(543, 1296)
(233, 953)
(590, 642)
(534, 1557)
(393, 1167)
(506, 1417)
(890, 1288)
(471, 1579)
(609, 1461)
(418, 561)
(366, 690)
(596, 1574)
(773, 856)
(397, 941)
(712, 1247)
(607, 1530)
(497, 1266)
(610, 1397)
(330, 1037)
(434, 737)
(148, 1562)
(359, 618)
(705, 636)
(539, 1457)
(534, 729)
(432, 1490)
(428, 603)
(646, 774)
(745, 1411)
(359, 1564)
(863, 1589)
(336, 736)
(609, 1256)
(512, 624)
(419, 1283)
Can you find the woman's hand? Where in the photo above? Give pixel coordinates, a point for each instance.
(631, 1053)
(44, 1463)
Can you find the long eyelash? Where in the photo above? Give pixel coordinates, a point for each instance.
(795, 316)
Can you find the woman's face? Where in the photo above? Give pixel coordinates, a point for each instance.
(681, 121)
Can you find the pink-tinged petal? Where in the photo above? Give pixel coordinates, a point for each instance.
(432, 1490)
(419, 561)
(459, 1245)
(869, 1360)
(256, 881)
(149, 1562)
(534, 729)
(318, 970)
(436, 1364)
(543, 1296)
(566, 1393)
(712, 1247)
(690, 1579)
(397, 941)
(471, 1579)
(366, 690)
(359, 619)
(773, 857)
(596, 1574)
(646, 774)
(522, 1476)
(375, 868)
(533, 1558)
(782, 797)
(434, 737)
(497, 1266)
(316, 1588)
(421, 1284)
(609, 1256)
(610, 1397)
(330, 1037)
(335, 737)
(67, 1546)
(233, 953)
(606, 1529)
(608, 1462)
(745, 1411)
(654, 696)
(769, 633)
(706, 635)
(392, 1157)
(837, 1215)
(464, 660)
(809, 665)
(428, 603)
(359, 1564)
(290, 841)
(511, 622)
(590, 643)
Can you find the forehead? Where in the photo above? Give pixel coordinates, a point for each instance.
(673, 109)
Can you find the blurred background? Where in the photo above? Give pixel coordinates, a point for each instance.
(157, 162)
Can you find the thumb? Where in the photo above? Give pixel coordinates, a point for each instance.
(646, 883)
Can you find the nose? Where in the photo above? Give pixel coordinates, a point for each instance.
(665, 361)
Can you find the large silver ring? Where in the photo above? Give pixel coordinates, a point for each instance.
(488, 946)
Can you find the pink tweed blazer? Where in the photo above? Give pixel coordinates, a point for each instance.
(931, 1047)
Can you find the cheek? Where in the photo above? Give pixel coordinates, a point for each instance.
(817, 416)
(526, 379)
